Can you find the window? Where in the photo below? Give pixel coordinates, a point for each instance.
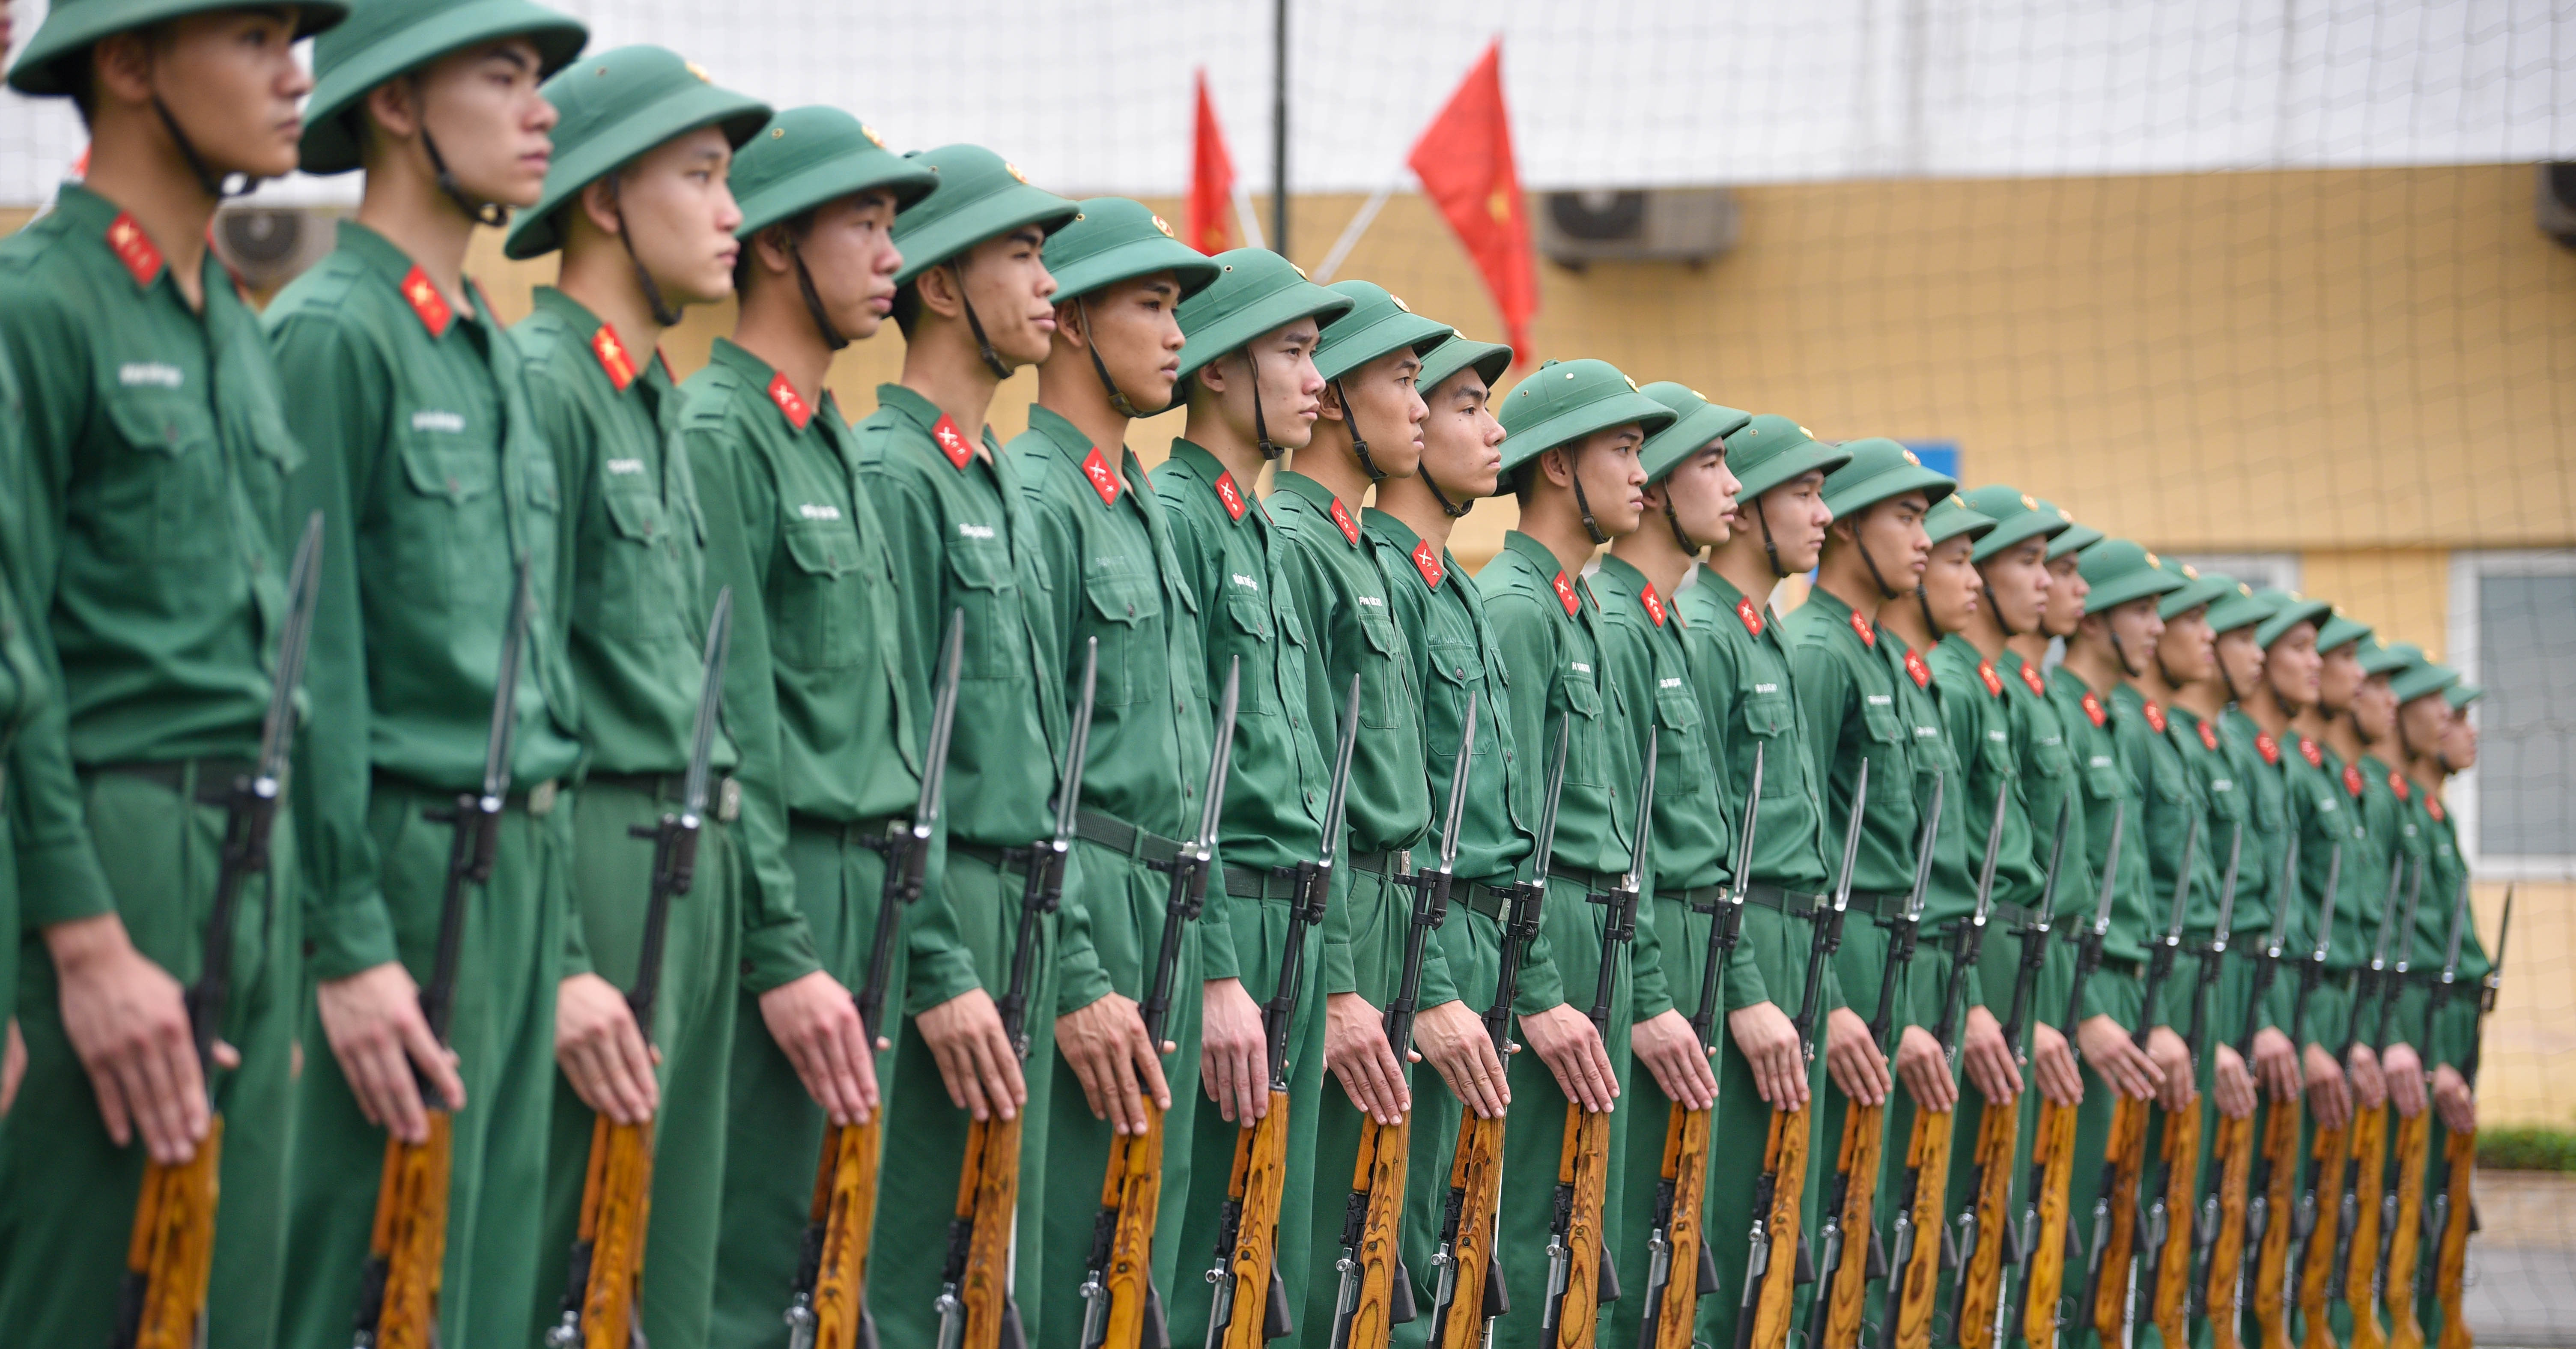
(2511, 632)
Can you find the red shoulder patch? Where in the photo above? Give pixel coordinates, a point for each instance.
(422, 294)
(2311, 751)
(1566, 596)
(134, 248)
(784, 394)
(1994, 682)
(2037, 682)
(2352, 780)
(952, 442)
(1342, 520)
(2208, 737)
(1104, 479)
(1861, 625)
(2268, 747)
(1229, 496)
(1427, 561)
(613, 357)
(2433, 807)
(2155, 716)
(1752, 617)
(2399, 785)
(1654, 604)
(1915, 666)
(2093, 709)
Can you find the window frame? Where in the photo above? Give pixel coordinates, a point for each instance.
(2467, 568)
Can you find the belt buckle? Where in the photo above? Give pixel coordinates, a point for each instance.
(1400, 862)
(541, 799)
(729, 801)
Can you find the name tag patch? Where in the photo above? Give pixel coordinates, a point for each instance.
(150, 375)
(449, 422)
(624, 467)
(811, 511)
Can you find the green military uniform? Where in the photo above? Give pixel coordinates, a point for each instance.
(2254, 797)
(150, 572)
(1234, 560)
(1550, 627)
(434, 482)
(1739, 666)
(2292, 774)
(2454, 1015)
(1103, 545)
(633, 564)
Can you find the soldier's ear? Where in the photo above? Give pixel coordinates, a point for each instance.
(940, 293)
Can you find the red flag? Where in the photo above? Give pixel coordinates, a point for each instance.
(1211, 178)
(1465, 162)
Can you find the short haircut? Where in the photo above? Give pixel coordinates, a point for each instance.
(799, 226)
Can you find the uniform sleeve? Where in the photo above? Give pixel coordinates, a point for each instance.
(1406, 606)
(1521, 631)
(1217, 958)
(556, 410)
(1081, 980)
(1824, 690)
(338, 415)
(1316, 597)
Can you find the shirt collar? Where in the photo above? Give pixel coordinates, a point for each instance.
(764, 379)
(1320, 497)
(87, 215)
(926, 414)
(1835, 609)
(1213, 469)
(1434, 565)
(586, 326)
(379, 255)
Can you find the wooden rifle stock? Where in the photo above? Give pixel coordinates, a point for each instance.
(2052, 1167)
(1249, 1236)
(2170, 1305)
(1377, 1181)
(407, 1247)
(1784, 1165)
(2231, 1150)
(2271, 1298)
(2369, 1158)
(1850, 1206)
(988, 1196)
(2451, 1258)
(1981, 1283)
(616, 1207)
(2405, 1236)
(843, 1213)
(172, 1251)
(1123, 1304)
(2327, 1155)
(2116, 1217)
(1475, 1186)
(1582, 1184)
(1927, 1159)
(1682, 1191)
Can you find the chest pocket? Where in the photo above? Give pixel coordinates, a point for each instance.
(1127, 611)
(2048, 758)
(1880, 721)
(1583, 758)
(1769, 717)
(635, 589)
(159, 496)
(820, 599)
(1457, 670)
(446, 525)
(1386, 696)
(2168, 778)
(1243, 635)
(2103, 781)
(1681, 762)
(979, 573)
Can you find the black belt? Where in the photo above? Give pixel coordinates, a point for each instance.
(873, 829)
(2124, 969)
(1790, 902)
(724, 791)
(1593, 882)
(2002, 918)
(537, 801)
(215, 778)
(1885, 907)
(1493, 901)
(1700, 898)
(1260, 883)
(1124, 839)
(1384, 862)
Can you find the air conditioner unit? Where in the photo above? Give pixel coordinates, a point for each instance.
(269, 246)
(2557, 203)
(1689, 225)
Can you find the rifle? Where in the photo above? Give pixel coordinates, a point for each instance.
(407, 1250)
(1580, 1275)
(2238, 1207)
(1376, 1293)
(1464, 1270)
(2330, 1177)
(974, 1302)
(2278, 1220)
(161, 1302)
(1677, 1240)
(2414, 1148)
(1981, 1286)
(1249, 1307)
(1121, 1307)
(604, 1283)
(1834, 1315)
(1911, 1294)
(2052, 1161)
(2115, 1207)
(827, 1305)
(2171, 1254)
(1762, 1318)
(2367, 1171)
(2454, 1215)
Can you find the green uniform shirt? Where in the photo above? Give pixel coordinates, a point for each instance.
(1958, 848)
(1274, 796)
(2111, 792)
(37, 785)
(1847, 690)
(427, 466)
(2365, 860)
(2049, 783)
(2226, 806)
(2173, 804)
(2398, 843)
(1978, 717)
(2254, 762)
(152, 557)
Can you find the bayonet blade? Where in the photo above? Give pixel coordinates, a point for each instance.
(1851, 837)
(2041, 919)
(503, 735)
(1338, 799)
(702, 737)
(2326, 905)
(2182, 883)
(1077, 749)
(1458, 788)
(1645, 838)
(2387, 917)
(277, 729)
(2459, 927)
(2110, 874)
(1547, 808)
(943, 722)
(2287, 901)
(1994, 845)
(1220, 763)
(1741, 876)
(2406, 929)
(1924, 844)
(2227, 890)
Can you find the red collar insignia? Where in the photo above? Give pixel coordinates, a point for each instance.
(2268, 747)
(2156, 716)
(1104, 480)
(784, 394)
(2352, 780)
(952, 442)
(2399, 785)
(2208, 737)
(1565, 594)
(1429, 564)
(1861, 625)
(613, 358)
(1654, 604)
(2433, 807)
(2311, 751)
(1914, 666)
(2093, 709)
(1342, 519)
(1994, 682)
(2031, 676)
(135, 249)
(1226, 493)
(435, 313)
(1752, 617)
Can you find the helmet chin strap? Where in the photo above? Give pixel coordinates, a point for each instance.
(214, 183)
(1885, 591)
(1447, 507)
(1574, 475)
(663, 313)
(1119, 402)
(490, 214)
(1359, 443)
(2120, 649)
(1770, 549)
(1673, 521)
(983, 344)
(829, 331)
(2165, 671)
(1270, 450)
(2233, 694)
(1996, 609)
(1923, 601)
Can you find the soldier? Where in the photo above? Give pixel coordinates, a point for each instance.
(437, 489)
(150, 568)
(24, 694)
(2452, 751)
(1104, 539)
(1248, 378)
(2328, 725)
(1570, 455)
(636, 200)
(973, 299)
(1739, 666)
(2237, 783)
(2254, 760)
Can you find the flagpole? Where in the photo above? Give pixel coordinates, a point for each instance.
(1279, 126)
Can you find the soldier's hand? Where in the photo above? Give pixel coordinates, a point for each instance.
(1768, 1040)
(1852, 1060)
(2052, 1064)
(2231, 1084)
(1234, 1055)
(373, 1022)
(2403, 1070)
(1452, 1040)
(816, 1025)
(976, 1059)
(2457, 1102)
(2173, 1059)
(1988, 1059)
(1925, 1071)
(2276, 1061)
(2369, 1088)
(127, 1021)
(602, 1053)
(1356, 1051)
(2117, 1058)
(13, 1055)
(1671, 1050)
(1572, 1050)
(1105, 1044)
(2329, 1095)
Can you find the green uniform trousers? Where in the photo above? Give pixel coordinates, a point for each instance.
(1781, 945)
(1381, 913)
(1260, 938)
(509, 959)
(774, 1131)
(66, 1193)
(1684, 936)
(926, 1132)
(693, 1025)
(2121, 995)
(1126, 900)
(1473, 944)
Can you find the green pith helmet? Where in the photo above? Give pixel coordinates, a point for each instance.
(1112, 240)
(1564, 401)
(2379, 657)
(812, 156)
(981, 195)
(1461, 352)
(2077, 537)
(1255, 292)
(2341, 629)
(1770, 449)
(385, 39)
(2017, 516)
(1697, 423)
(1879, 469)
(613, 107)
(1952, 516)
(2422, 678)
(2196, 590)
(2289, 610)
(2461, 695)
(2240, 607)
(2120, 571)
(1378, 324)
(56, 60)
